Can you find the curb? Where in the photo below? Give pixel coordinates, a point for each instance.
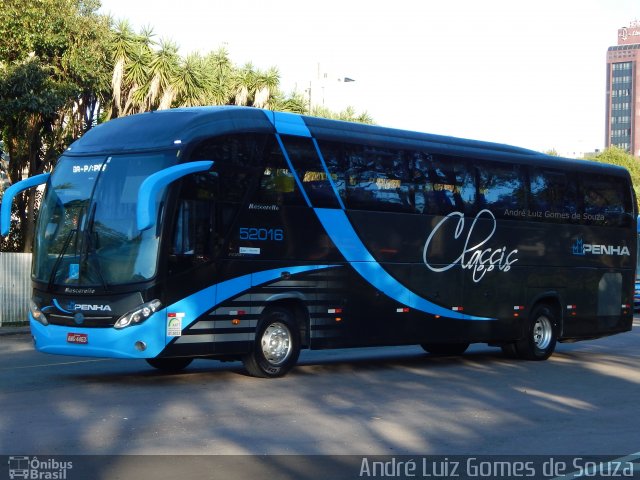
(6, 331)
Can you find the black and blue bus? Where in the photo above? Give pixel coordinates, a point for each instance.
(237, 233)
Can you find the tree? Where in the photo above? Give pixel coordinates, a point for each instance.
(52, 77)
(348, 114)
(30, 101)
(130, 56)
(64, 68)
(218, 72)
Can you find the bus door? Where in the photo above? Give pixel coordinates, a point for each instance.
(194, 236)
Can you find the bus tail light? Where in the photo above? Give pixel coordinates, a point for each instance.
(139, 315)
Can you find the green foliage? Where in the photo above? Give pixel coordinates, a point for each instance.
(348, 115)
(149, 75)
(65, 68)
(53, 74)
(617, 156)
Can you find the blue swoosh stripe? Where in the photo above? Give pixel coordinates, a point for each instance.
(57, 305)
(328, 173)
(200, 302)
(339, 228)
(293, 170)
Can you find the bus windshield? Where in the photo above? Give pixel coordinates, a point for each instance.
(86, 233)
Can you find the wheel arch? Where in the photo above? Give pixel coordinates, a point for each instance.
(553, 301)
(295, 302)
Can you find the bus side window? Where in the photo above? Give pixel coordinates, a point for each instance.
(193, 237)
(237, 159)
(554, 196)
(311, 173)
(277, 184)
(449, 186)
(501, 188)
(605, 202)
(333, 156)
(378, 179)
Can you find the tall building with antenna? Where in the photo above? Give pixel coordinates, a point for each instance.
(623, 91)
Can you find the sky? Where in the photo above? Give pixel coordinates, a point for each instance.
(529, 73)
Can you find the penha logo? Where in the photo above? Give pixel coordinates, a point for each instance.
(473, 256)
(582, 249)
(86, 307)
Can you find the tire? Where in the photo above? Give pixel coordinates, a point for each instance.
(445, 348)
(170, 364)
(277, 345)
(541, 334)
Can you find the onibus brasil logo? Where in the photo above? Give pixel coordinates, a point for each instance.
(38, 468)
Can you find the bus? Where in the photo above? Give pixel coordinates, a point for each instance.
(235, 233)
(636, 298)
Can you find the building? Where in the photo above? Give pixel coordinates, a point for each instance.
(623, 91)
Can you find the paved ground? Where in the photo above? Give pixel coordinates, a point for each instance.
(374, 401)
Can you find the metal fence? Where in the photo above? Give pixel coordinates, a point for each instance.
(15, 288)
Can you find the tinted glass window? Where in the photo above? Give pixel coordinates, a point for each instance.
(399, 180)
(378, 179)
(311, 174)
(237, 160)
(193, 237)
(277, 185)
(501, 188)
(334, 159)
(554, 196)
(443, 184)
(606, 201)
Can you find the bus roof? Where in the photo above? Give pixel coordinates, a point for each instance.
(170, 128)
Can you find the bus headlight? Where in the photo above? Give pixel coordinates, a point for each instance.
(37, 314)
(139, 315)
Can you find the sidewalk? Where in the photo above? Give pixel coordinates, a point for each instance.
(23, 330)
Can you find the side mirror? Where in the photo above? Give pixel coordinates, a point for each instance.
(9, 195)
(146, 211)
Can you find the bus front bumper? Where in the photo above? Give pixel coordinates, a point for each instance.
(145, 340)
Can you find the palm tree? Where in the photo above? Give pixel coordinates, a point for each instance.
(136, 78)
(191, 82)
(295, 103)
(163, 69)
(266, 84)
(218, 73)
(123, 42)
(244, 83)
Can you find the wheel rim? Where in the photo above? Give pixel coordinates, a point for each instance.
(276, 343)
(542, 332)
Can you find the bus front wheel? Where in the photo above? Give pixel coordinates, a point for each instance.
(277, 345)
(540, 337)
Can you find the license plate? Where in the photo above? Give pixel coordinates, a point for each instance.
(78, 338)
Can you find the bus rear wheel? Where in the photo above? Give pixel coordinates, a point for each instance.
(170, 364)
(540, 337)
(445, 348)
(277, 345)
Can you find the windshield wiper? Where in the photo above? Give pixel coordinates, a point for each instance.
(88, 247)
(56, 265)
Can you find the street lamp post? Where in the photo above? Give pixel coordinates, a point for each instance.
(309, 90)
